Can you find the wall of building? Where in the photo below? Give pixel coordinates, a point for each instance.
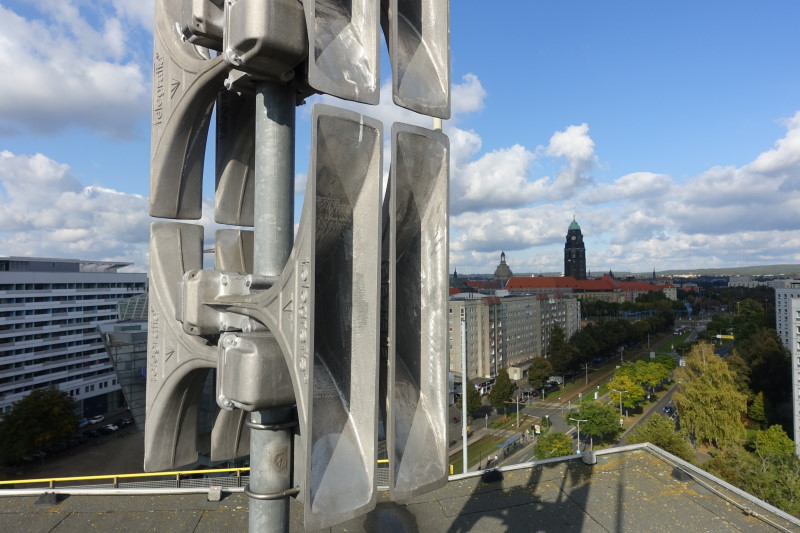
(500, 332)
(49, 313)
(787, 321)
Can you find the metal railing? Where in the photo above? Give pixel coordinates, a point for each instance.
(183, 479)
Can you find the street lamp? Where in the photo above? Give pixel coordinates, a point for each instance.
(621, 392)
(579, 431)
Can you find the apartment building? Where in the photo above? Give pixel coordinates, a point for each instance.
(496, 332)
(50, 310)
(787, 322)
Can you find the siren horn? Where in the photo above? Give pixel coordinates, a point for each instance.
(418, 35)
(416, 299)
(185, 83)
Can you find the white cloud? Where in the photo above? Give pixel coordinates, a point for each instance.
(785, 157)
(497, 179)
(466, 97)
(136, 11)
(634, 186)
(59, 71)
(46, 212)
(575, 145)
(725, 216)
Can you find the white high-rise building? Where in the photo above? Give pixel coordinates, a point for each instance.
(50, 310)
(787, 321)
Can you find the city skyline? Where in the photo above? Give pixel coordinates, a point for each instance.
(671, 133)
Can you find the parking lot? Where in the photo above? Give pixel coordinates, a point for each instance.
(119, 452)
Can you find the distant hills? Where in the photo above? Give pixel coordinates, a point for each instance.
(778, 271)
(787, 271)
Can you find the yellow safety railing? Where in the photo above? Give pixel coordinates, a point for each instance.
(116, 477)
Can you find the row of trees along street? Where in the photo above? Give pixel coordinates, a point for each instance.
(734, 408)
(606, 337)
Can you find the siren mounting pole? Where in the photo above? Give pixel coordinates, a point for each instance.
(270, 438)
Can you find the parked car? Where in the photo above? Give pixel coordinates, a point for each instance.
(110, 428)
(122, 422)
(92, 433)
(83, 422)
(669, 409)
(96, 419)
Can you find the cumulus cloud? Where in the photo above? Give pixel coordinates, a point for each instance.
(136, 11)
(60, 71)
(724, 216)
(506, 229)
(497, 179)
(45, 211)
(467, 97)
(634, 186)
(576, 146)
(759, 196)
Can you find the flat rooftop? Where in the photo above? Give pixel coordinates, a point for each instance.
(634, 488)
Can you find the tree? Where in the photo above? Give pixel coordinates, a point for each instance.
(602, 421)
(648, 374)
(660, 431)
(667, 361)
(501, 391)
(758, 410)
(773, 446)
(711, 407)
(473, 400)
(562, 354)
(43, 417)
(634, 395)
(741, 372)
(775, 481)
(553, 445)
(539, 372)
(769, 371)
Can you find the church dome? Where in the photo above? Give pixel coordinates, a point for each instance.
(573, 225)
(502, 273)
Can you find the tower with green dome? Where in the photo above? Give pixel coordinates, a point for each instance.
(575, 252)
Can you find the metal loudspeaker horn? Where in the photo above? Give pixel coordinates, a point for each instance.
(235, 159)
(415, 262)
(185, 83)
(178, 364)
(418, 35)
(324, 311)
(343, 48)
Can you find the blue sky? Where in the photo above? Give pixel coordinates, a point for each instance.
(671, 131)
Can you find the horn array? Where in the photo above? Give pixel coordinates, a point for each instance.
(351, 334)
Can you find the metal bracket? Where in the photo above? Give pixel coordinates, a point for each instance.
(272, 496)
(272, 427)
(252, 374)
(200, 290)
